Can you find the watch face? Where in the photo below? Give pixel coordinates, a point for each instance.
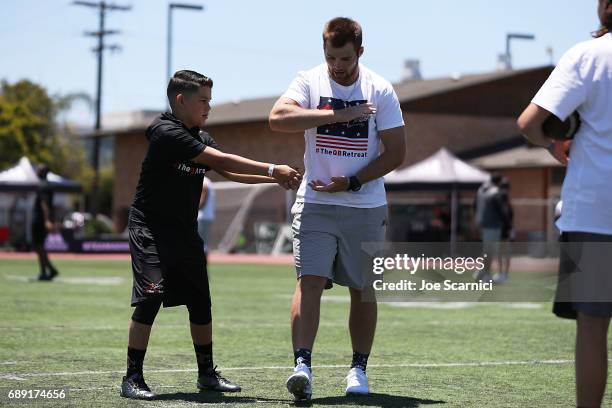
(354, 184)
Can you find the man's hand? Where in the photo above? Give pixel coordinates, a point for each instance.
(362, 112)
(560, 150)
(286, 174)
(337, 184)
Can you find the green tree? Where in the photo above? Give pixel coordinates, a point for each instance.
(29, 127)
(26, 122)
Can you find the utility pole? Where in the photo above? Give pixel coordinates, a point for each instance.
(102, 7)
(172, 6)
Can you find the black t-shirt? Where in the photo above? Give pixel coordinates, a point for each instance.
(44, 193)
(170, 183)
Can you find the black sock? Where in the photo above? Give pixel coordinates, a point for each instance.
(135, 359)
(360, 360)
(302, 356)
(204, 356)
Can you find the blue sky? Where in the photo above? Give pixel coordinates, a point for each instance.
(255, 48)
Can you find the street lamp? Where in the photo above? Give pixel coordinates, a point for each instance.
(514, 36)
(171, 7)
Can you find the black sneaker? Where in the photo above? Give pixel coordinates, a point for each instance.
(212, 381)
(53, 274)
(42, 277)
(135, 387)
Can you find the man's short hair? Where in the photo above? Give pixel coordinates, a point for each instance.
(340, 31)
(186, 82)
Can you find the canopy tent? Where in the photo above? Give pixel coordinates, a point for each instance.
(17, 187)
(22, 177)
(442, 171)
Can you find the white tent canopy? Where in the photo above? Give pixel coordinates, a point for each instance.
(22, 177)
(440, 170)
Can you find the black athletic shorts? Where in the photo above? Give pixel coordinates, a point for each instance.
(166, 265)
(39, 233)
(585, 275)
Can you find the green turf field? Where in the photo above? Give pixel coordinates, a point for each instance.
(71, 334)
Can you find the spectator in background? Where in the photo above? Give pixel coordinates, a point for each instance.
(206, 212)
(42, 224)
(440, 224)
(507, 234)
(490, 216)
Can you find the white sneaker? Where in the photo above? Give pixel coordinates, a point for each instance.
(357, 382)
(300, 382)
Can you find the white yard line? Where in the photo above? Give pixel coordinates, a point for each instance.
(84, 280)
(161, 326)
(255, 368)
(426, 304)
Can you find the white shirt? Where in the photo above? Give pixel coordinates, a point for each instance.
(342, 149)
(207, 212)
(582, 81)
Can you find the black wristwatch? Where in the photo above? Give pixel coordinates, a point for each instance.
(354, 184)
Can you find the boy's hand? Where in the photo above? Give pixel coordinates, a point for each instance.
(283, 173)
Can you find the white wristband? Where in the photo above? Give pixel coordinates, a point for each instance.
(271, 170)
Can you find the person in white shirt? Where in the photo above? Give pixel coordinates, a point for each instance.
(206, 212)
(582, 82)
(354, 133)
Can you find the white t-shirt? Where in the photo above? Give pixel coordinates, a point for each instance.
(207, 212)
(582, 81)
(342, 149)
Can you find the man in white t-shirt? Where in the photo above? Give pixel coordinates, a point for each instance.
(354, 133)
(582, 82)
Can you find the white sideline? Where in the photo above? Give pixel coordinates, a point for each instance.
(84, 280)
(21, 377)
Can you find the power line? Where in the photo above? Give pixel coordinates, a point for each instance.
(102, 8)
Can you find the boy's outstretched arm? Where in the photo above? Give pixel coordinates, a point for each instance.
(245, 168)
(255, 179)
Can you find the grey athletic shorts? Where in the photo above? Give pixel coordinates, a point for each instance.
(327, 240)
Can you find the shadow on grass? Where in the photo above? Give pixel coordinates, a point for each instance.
(373, 400)
(208, 397)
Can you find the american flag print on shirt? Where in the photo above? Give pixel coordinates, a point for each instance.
(347, 136)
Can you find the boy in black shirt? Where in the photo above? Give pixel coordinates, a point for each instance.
(168, 260)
